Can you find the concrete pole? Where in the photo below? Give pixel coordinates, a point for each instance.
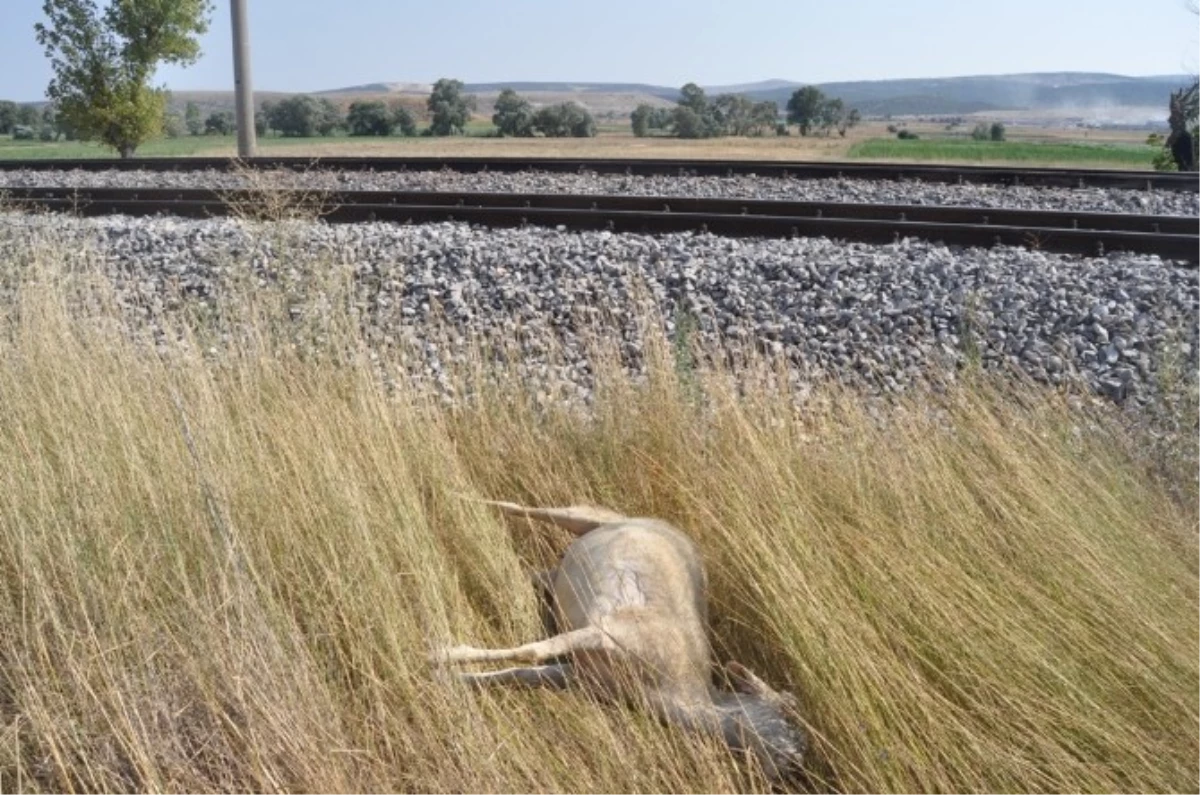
(243, 89)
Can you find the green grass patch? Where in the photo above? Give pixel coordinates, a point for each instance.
(969, 151)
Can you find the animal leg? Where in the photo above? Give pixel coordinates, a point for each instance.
(583, 639)
(576, 519)
(555, 676)
(543, 585)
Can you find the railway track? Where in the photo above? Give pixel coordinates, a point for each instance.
(1090, 234)
(1002, 175)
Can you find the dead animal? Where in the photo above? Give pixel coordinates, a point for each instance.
(628, 601)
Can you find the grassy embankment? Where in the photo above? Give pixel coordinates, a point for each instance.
(222, 570)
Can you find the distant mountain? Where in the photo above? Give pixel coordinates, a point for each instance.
(1035, 91)
(931, 96)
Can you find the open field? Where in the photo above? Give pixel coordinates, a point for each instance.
(224, 560)
(1138, 156)
(1028, 146)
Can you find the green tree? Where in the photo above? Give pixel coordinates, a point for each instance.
(103, 63)
(996, 131)
(329, 119)
(295, 117)
(28, 116)
(733, 114)
(693, 96)
(764, 118)
(514, 115)
(369, 118)
(174, 126)
(847, 120)
(804, 108)
(566, 120)
(640, 118)
(403, 120)
(191, 118)
(49, 124)
(981, 132)
(688, 123)
(829, 114)
(262, 117)
(449, 110)
(8, 116)
(220, 123)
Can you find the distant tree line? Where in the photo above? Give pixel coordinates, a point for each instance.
(515, 117)
(27, 121)
(697, 116)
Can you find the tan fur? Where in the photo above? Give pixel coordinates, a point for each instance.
(629, 600)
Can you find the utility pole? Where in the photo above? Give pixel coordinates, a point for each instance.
(243, 90)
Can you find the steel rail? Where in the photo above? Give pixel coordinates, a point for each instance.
(997, 175)
(983, 216)
(621, 214)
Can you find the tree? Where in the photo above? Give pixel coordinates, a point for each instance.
(49, 125)
(688, 123)
(804, 108)
(28, 116)
(764, 118)
(220, 123)
(369, 118)
(103, 63)
(174, 126)
(449, 110)
(829, 114)
(514, 115)
(996, 132)
(733, 114)
(848, 120)
(567, 120)
(693, 96)
(8, 116)
(329, 118)
(640, 118)
(403, 120)
(191, 118)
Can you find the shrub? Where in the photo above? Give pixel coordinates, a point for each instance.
(907, 135)
(22, 133)
(369, 118)
(981, 132)
(220, 123)
(449, 110)
(566, 120)
(403, 120)
(996, 132)
(514, 115)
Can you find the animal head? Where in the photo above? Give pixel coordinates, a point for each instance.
(762, 721)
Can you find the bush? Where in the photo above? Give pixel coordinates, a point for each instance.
(449, 110)
(369, 118)
(981, 132)
(514, 115)
(22, 133)
(403, 120)
(893, 129)
(996, 133)
(907, 135)
(220, 123)
(566, 120)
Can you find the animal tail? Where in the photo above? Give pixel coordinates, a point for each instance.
(575, 519)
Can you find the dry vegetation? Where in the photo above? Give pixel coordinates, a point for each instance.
(222, 566)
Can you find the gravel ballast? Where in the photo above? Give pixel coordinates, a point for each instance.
(738, 187)
(877, 315)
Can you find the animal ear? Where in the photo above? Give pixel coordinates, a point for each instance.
(744, 680)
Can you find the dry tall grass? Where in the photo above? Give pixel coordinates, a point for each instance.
(223, 572)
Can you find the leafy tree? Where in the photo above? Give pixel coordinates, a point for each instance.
(103, 63)
(693, 96)
(28, 116)
(567, 120)
(688, 123)
(764, 117)
(640, 118)
(981, 132)
(514, 115)
(297, 117)
(848, 120)
(648, 118)
(329, 118)
(369, 118)
(48, 128)
(804, 108)
(449, 110)
(996, 132)
(262, 117)
(191, 118)
(8, 116)
(733, 114)
(174, 126)
(403, 120)
(220, 123)
(829, 114)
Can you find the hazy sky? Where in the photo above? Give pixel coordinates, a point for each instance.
(308, 45)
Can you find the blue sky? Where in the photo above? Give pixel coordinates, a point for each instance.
(309, 45)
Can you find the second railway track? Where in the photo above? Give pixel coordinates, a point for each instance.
(1084, 233)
